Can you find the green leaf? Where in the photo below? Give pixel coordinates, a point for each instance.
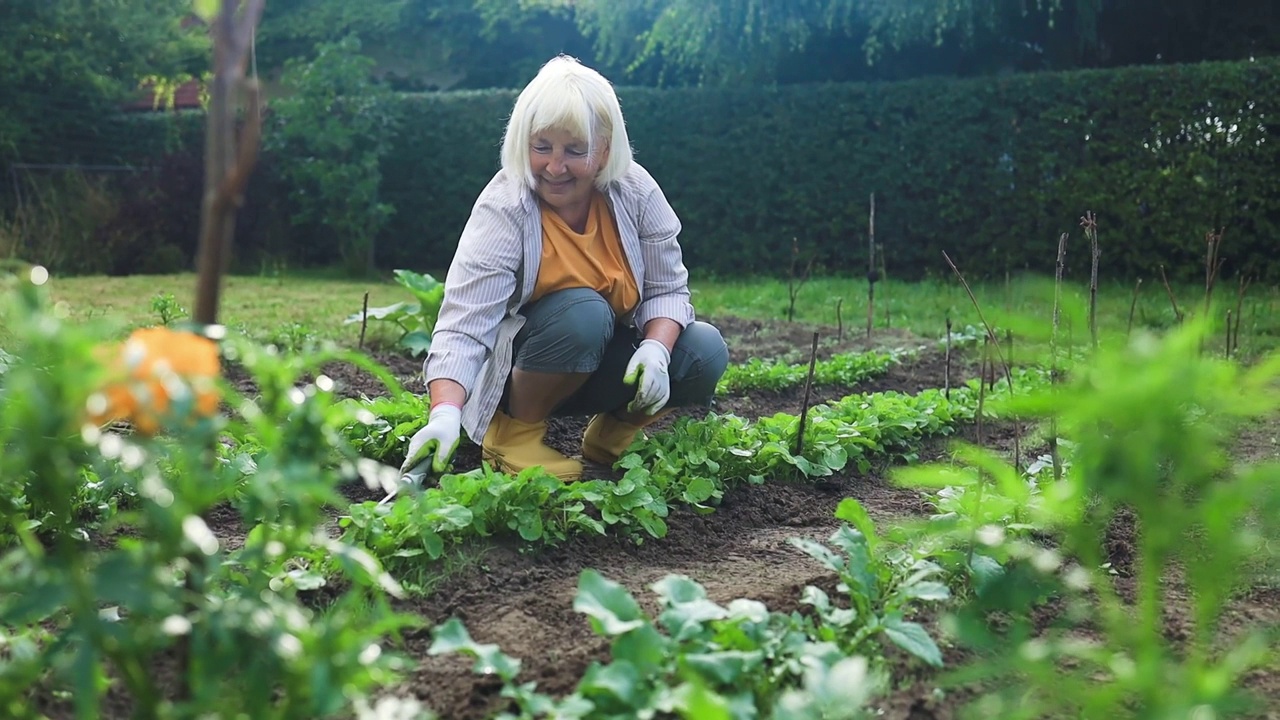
(452, 637)
(611, 608)
(985, 570)
(432, 543)
(699, 490)
(457, 516)
(913, 638)
(852, 512)
(531, 525)
(860, 571)
(206, 10)
(927, 590)
(726, 667)
(687, 606)
(392, 313)
(307, 579)
(644, 647)
(696, 701)
(35, 603)
(416, 342)
(619, 679)
(819, 552)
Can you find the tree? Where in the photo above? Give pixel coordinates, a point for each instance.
(427, 44)
(747, 41)
(69, 62)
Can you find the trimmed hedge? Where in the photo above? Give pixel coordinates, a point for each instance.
(990, 170)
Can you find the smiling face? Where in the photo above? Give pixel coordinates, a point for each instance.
(564, 171)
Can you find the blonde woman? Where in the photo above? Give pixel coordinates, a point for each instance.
(567, 295)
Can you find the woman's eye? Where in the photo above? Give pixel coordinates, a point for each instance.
(541, 149)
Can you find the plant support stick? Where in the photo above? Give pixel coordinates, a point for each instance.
(804, 408)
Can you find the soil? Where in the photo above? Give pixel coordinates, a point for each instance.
(521, 598)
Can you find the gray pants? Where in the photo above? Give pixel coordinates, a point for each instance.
(575, 331)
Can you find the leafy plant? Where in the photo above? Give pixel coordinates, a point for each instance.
(416, 320)
(89, 608)
(881, 584)
(166, 306)
(329, 137)
(851, 369)
(1151, 423)
(695, 659)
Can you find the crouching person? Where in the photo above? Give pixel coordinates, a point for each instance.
(567, 295)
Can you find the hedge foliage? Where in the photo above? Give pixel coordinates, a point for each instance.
(990, 170)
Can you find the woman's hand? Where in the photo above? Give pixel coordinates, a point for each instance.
(648, 366)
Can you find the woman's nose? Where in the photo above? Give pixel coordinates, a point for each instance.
(556, 165)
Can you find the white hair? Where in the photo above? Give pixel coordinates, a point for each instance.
(567, 95)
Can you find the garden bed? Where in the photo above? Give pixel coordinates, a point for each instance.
(520, 596)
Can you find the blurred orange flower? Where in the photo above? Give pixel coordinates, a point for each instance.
(153, 367)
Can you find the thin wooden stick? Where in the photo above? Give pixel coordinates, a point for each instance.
(872, 276)
(1090, 223)
(839, 321)
(364, 319)
(946, 374)
(991, 334)
(1054, 373)
(804, 409)
(1228, 345)
(1243, 286)
(1168, 290)
(1133, 305)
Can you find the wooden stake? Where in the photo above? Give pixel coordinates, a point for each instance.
(946, 374)
(839, 321)
(1228, 345)
(872, 275)
(991, 334)
(1054, 373)
(1133, 305)
(808, 384)
(1168, 290)
(1090, 223)
(364, 319)
(1243, 286)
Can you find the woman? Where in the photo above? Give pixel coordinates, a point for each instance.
(568, 294)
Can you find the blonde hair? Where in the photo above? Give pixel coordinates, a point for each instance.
(567, 95)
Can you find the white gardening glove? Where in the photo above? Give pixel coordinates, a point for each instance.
(649, 363)
(440, 438)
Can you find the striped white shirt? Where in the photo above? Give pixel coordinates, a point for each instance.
(495, 269)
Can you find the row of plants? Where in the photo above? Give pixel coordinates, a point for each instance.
(691, 465)
(696, 658)
(1013, 567)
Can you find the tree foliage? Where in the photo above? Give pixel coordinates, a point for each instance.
(746, 41)
(66, 62)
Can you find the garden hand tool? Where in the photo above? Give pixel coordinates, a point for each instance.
(432, 447)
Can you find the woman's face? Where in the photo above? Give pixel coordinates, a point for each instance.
(563, 172)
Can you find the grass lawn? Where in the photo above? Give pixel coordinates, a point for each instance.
(292, 310)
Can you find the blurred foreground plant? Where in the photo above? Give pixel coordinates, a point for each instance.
(87, 613)
(1151, 423)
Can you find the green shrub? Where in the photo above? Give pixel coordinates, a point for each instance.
(991, 170)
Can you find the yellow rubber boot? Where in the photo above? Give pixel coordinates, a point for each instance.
(512, 446)
(607, 437)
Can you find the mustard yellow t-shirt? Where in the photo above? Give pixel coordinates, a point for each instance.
(591, 259)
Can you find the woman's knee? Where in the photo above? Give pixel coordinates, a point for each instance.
(567, 332)
(698, 361)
